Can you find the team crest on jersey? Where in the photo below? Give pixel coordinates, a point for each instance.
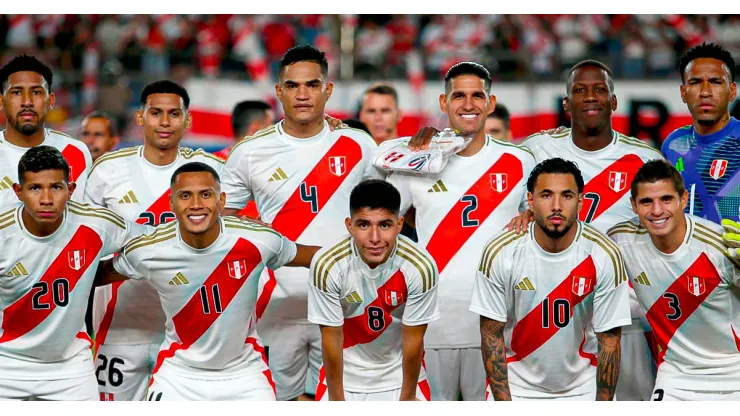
(617, 181)
(393, 298)
(718, 168)
(76, 259)
(337, 165)
(581, 285)
(237, 268)
(498, 182)
(696, 285)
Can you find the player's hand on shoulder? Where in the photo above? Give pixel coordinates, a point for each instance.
(334, 123)
(520, 223)
(553, 131)
(731, 237)
(422, 138)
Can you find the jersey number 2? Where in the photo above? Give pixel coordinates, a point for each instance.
(472, 202)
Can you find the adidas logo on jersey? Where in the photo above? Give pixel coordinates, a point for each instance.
(6, 183)
(642, 279)
(279, 175)
(353, 298)
(525, 284)
(179, 279)
(17, 270)
(439, 186)
(129, 198)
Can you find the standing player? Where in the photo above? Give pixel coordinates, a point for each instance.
(543, 294)
(380, 113)
(247, 118)
(99, 134)
(49, 252)
(373, 294)
(206, 270)
(706, 152)
(688, 286)
(25, 93)
(300, 174)
(498, 123)
(127, 316)
(479, 190)
(608, 161)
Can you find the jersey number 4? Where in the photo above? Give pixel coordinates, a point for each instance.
(151, 219)
(310, 194)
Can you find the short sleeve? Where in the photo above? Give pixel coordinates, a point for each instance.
(124, 264)
(400, 182)
(489, 292)
(422, 305)
(611, 296)
(281, 251)
(235, 179)
(324, 291)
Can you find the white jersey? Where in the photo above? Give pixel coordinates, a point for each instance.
(129, 313)
(691, 298)
(457, 212)
(208, 295)
(74, 151)
(301, 187)
(552, 304)
(371, 305)
(607, 174)
(45, 284)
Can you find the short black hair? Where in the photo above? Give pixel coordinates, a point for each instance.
(594, 63)
(165, 86)
(356, 124)
(375, 194)
(502, 113)
(382, 89)
(41, 158)
(305, 53)
(245, 113)
(468, 68)
(194, 167)
(707, 50)
(654, 171)
(25, 63)
(555, 165)
(112, 130)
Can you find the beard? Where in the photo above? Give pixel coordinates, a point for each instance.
(26, 129)
(555, 234)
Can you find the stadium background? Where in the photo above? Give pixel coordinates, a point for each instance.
(101, 62)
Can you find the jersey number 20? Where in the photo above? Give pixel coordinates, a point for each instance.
(59, 294)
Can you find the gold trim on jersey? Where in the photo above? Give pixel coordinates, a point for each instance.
(7, 214)
(6, 183)
(414, 256)
(61, 133)
(7, 218)
(493, 247)
(262, 133)
(148, 241)
(125, 152)
(714, 239)
(509, 144)
(169, 227)
(189, 153)
(324, 263)
(88, 211)
(246, 225)
(611, 249)
(631, 141)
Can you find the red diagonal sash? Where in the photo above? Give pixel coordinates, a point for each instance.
(76, 161)
(529, 334)
(161, 205)
(658, 315)
(599, 185)
(450, 234)
(20, 317)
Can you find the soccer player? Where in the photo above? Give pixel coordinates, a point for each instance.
(49, 252)
(373, 293)
(543, 294)
(498, 123)
(688, 286)
(134, 182)
(380, 113)
(300, 173)
(705, 152)
(99, 134)
(206, 270)
(608, 161)
(479, 190)
(247, 118)
(25, 93)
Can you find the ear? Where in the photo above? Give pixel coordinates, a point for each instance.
(172, 201)
(189, 120)
(566, 104)
(348, 224)
(329, 89)
(52, 100)
(492, 101)
(443, 103)
(684, 199)
(399, 116)
(139, 117)
(279, 91)
(733, 91)
(17, 189)
(400, 224)
(71, 188)
(683, 93)
(221, 202)
(116, 141)
(580, 203)
(634, 205)
(613, 102)
(530, 201)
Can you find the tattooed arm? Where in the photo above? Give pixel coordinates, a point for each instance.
(494, 357)
(607, 372)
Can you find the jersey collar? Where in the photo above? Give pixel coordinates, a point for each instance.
(591, 154)
(194, 250)
(48, 238)
(547, 254)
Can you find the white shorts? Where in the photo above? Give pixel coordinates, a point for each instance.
(584, 394)
(68, 389)
(452, 372)
(123, 371)
(671, 394)
(637, 369)
(294, 356)
(422, 393)
(169, 386)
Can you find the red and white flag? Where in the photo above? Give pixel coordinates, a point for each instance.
(393, 298)
(337, 165)
(718, 168)
(617, 181)
(581, 285)
(237, 268)
(697, 286)
(76, 259)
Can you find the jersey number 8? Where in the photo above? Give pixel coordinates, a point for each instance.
(375, 318)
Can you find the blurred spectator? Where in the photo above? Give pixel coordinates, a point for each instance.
(498, 123)
(372, 45)
(278, 36)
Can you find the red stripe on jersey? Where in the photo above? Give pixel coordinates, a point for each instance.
(260, 349)
(680, 300)
(21, 317)
(529, 334)
(451, 234)
(425, 391)
(76, 161)
(83, 336)
(608, 187)
(587, 355)
(105, 324)
(158, 207)
(357, 330)
(295, 216)
(191, 322)
(321, 386)
(734, 336)
(266, 294)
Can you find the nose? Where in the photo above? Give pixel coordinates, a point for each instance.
(26, 100)
(556, 204)
(706, 89)
(590, 95)
(45, 197)
(302, 93)
(165, 119)
(375, 235)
